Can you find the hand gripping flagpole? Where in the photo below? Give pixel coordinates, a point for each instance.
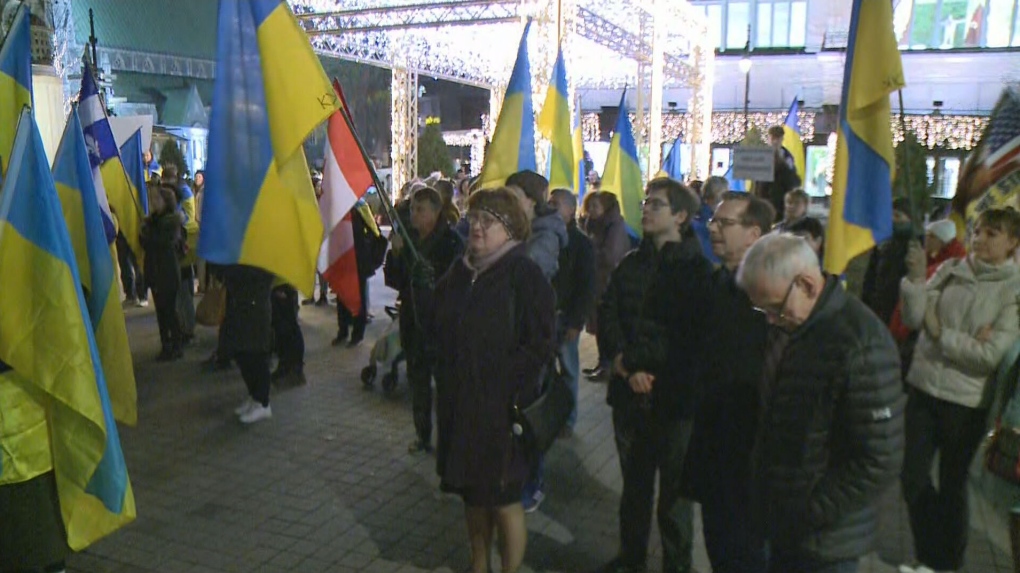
(391, 211)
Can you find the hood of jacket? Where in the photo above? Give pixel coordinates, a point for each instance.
(550, 224)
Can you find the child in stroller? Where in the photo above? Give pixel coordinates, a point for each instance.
(387, 352)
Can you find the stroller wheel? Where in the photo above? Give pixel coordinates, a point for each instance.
(389, 382)
(368, 375)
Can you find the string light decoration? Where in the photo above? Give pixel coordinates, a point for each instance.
(727, 127)
(943, 131)
(473, 138)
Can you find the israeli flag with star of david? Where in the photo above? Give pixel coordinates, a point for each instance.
(99, 142)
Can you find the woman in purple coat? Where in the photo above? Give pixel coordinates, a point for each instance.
(494, 324)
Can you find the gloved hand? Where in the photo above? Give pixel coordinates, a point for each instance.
(917, 262)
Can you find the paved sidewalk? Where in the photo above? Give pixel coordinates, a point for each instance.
(327, 484)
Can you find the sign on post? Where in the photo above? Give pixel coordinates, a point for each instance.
(754, 163)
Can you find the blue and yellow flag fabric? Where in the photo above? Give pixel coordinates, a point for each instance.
(46, 338)
(259, 207)
(861, 208)
(554, 124)
(513, 141)
(134, 166)
(672, 165)
(622, 175)
(578, 139)
(15, 81)
(72, 175)
(791, 138)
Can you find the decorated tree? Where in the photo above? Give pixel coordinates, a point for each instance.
(433, 154)
(911, 179)
(170, 154)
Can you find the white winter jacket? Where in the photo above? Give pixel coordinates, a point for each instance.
(968, 295)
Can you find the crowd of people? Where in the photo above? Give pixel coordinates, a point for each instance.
(739, 373)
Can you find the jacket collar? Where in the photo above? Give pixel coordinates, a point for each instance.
(831, 301)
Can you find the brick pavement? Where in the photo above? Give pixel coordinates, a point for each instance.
(327, 484)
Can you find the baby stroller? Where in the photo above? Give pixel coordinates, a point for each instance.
(386, 352)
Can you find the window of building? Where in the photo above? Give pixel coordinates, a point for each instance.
(948, 24)
(798, 24)
(738, 18)
(780, 23)
(764, 35)
(1000, 20)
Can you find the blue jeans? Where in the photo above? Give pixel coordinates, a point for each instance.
(570, 362)
(783, 562)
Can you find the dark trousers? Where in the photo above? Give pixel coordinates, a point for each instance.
(254, 368)
(419, 376)
(289, 342)
(782, 562)
(131, 277)
(347, 323)
(732, 544)
(166, 316)
(939, 518)
(646, 445)
(186, 302)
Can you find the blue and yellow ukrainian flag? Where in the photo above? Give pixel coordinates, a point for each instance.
(72, 175)
(791, 138)
(134, 166)
(15, 81)
(259, 207)
(578, 139)
(622, 175)
(46, 338)
(513, 141)
(672, 165)
(554, 124)
(861, 209)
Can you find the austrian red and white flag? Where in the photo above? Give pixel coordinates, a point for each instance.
(346, 177)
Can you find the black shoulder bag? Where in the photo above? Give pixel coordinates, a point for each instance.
(539, 424)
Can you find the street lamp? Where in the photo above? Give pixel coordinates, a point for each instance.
(745, 68)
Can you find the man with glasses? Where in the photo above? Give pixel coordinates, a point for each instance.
(656, 311)
(719, 460)
(830, 436)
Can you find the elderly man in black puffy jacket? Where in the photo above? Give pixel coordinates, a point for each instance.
(830, 439)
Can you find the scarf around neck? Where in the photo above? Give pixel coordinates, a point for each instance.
(482, 264)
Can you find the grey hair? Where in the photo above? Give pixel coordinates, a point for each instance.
(778, 257)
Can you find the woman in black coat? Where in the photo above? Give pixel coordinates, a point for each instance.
(494, 323)
(162, 238)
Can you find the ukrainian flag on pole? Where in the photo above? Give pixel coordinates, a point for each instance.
(554, 124)
(134, 166)
(271, 92)
(861, 210)
(15, 81)
(791, 138)
(622, 175)
(72, 175)
(513, 141)
(578, 138)
(46, 338)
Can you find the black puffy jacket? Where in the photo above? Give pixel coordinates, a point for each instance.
(831, 437)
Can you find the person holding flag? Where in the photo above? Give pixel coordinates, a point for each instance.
(260, 216)
(369, 253)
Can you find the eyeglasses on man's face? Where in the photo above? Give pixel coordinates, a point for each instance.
(654, 203)
(724, 222)
(778, 313)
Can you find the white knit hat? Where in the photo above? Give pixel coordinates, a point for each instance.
(944, 230)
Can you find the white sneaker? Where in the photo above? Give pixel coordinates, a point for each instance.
(257, 413)
(142, 303)
(244, 407)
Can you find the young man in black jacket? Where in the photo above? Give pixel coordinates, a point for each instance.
(439, 246)
(719, 459)
(657, 309)
(575, 291)
(830, 437)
